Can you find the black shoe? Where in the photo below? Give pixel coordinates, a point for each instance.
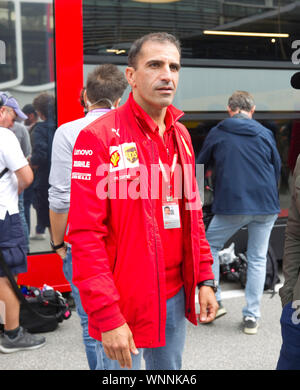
(22, 342)
(250, 325)
(221, 310)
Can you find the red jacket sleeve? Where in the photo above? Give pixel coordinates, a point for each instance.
(88, 214)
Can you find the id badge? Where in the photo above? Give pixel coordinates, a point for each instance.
(171, 215)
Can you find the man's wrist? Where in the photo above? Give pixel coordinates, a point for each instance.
(57, 246)
(213, 283)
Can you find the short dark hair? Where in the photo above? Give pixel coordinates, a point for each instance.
(29, 109)
(105, 82)
(45, 104)
(162, 37)
(241, 100)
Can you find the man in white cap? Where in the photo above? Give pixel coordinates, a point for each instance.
(15, 176)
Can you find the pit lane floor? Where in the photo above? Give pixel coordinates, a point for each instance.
(218, 346)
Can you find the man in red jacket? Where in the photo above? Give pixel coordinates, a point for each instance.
(135, 266)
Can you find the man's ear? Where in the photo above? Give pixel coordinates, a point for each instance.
(85, 98)
(130, 75)
(230, 112)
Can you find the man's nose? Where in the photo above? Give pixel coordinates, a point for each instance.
(166, 73)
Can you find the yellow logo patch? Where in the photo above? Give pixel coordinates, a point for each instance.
(115, 158)
(131, 154)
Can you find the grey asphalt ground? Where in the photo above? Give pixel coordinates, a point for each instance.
(218, 346)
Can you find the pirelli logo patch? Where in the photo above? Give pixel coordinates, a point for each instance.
(123, 156)
(81, 176)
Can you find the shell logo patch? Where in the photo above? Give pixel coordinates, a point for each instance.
(131, 154)
(115, 159)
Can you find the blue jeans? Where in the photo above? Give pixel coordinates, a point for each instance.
(289, 358)
(168, 357)
(88, 341)
(221, 228)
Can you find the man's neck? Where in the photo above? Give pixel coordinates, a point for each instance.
(156, 114)
(243, 112)
(98, 107)
(32, 124)
(159, 119)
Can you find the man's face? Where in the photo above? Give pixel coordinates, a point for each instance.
(167, 211)
(30, 119)
(155, 79)
(7, 117)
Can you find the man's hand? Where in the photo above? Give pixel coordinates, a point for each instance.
(62, 252)
(118, 344)
(208, 304)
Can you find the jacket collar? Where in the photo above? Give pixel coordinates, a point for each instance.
(147, 123)
(241, 115)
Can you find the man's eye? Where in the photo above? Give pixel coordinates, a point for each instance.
(174, 68)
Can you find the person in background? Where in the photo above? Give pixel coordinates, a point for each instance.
(15, 176)
(289, 358)
(246, 166)
(105, 87)
(30, 123)
(22, 135)
(32, 119)
(40, 161)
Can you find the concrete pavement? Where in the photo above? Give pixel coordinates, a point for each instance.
(218, 346)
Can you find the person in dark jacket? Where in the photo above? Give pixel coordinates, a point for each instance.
(289, 358)
(40, 161)
(246, 167)
(30, 123)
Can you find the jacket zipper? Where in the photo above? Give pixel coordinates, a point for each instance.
(156, 258)
(192, 288)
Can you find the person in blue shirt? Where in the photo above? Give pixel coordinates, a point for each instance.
(246, 167)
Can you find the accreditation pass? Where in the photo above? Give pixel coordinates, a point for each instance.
(171, 216)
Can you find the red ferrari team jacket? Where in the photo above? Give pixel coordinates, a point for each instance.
(118, 262)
